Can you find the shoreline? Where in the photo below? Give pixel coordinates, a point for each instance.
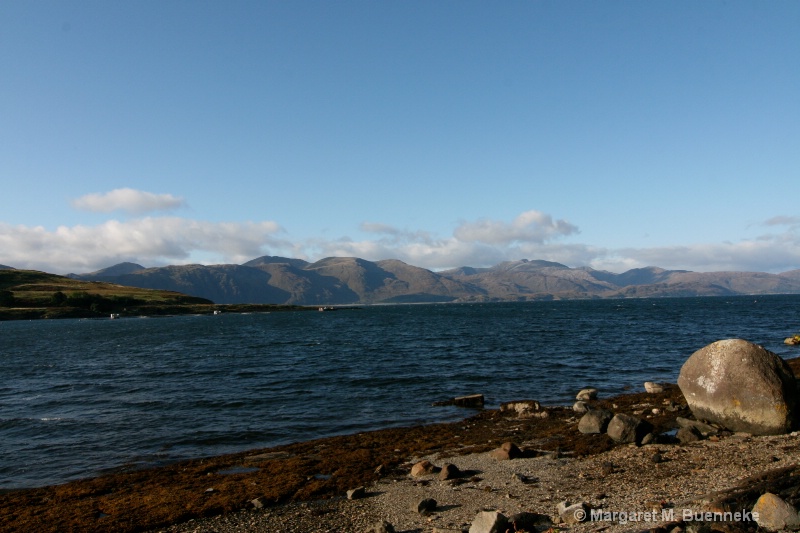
(312, 473)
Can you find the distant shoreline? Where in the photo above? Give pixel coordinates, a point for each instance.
(53, 313)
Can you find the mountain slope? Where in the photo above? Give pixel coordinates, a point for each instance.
(351, 280)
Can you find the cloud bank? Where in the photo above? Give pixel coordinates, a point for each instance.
(163, 240)
(127, 200)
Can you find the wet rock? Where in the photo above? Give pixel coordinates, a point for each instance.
(473, 400)
(587, 394)
(508, 450)
(357, 493)
(489, 522)
(740, 386)
(775, 514)
(595, 421)
(449, 471)
(627, 429)
(425, 506)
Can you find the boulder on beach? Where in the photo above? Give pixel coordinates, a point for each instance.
(595, 421)
(627, 428)
(740, 386)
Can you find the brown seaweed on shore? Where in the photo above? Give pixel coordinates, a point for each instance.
(143, 500)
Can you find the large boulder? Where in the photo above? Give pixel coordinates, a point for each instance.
(740, 386)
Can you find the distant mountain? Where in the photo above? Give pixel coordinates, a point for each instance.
(350, 280)
(4, 267)
(117, 270)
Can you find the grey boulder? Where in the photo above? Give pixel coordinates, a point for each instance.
(740, 386)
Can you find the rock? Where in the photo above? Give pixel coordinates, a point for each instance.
(704, 429)
(508, 450)
(580, 407)
(626, 428)
(688, 434)
(381, 527)
(380, 471)
(449, 471)
(595, 421)
(423, 468)
(775, 514)
(425, 506)
(355, 494)
(521, 478)
(740, 386)
(523, 408)
(489, 522)
(650, 438)
(587, 394)
(473, 400)
(258, 503)
(529, 521)
(653, 388)
(572, 514)
(794, 340)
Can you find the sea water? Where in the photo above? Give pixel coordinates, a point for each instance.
(82, 397)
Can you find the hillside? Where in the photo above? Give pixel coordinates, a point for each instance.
(32, 294)
(351, 280)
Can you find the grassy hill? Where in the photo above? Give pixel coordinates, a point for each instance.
(29, 294)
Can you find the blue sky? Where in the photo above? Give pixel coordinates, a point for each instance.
(610, 134)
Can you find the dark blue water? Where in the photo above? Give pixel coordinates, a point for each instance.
(80, 397)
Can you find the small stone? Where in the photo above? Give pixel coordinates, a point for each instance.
(508, 450)
(520, 478)
(587, 394)
(657, 458)
(525, 521)
(423, 468)
(650, 438)
(425, 506)
(580, 406)
(688, 434)
(653, 388)
(357, 493)
(257, 503)
(572, 514)
(489, 522)
(381, 527)
(449, 471)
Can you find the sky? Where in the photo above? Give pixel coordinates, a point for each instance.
(610, 134)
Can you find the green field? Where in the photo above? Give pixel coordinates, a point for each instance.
(29, 294)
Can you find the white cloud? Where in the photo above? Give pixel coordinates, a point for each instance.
(530, 226)
(127, 200)
(156, 241)
(149, 241)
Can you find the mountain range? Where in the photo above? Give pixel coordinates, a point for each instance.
(350, 280)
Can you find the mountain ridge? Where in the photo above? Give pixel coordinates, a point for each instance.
(352, 280)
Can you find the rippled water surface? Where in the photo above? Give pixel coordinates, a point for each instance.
(80, 397)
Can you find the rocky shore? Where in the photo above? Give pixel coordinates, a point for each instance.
(522, 468)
